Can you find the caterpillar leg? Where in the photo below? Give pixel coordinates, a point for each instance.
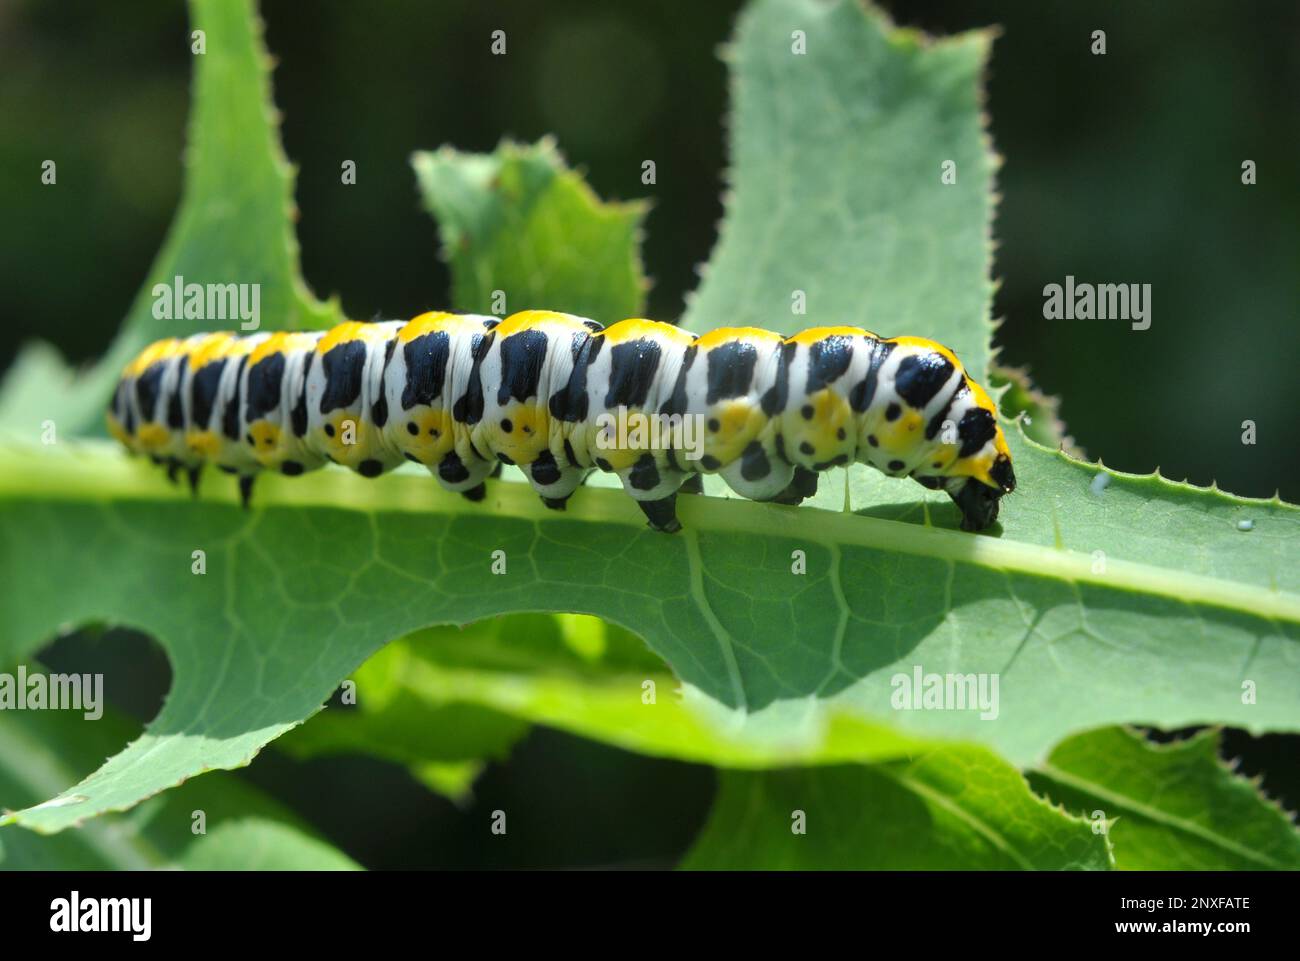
(553, 483)
(654, 487)
(193, 474)
(556, 496)
(464, 477)
(758, 473)
(803, 485)
(694, 484)
(373, 467)
(246, 489)
(662, 514)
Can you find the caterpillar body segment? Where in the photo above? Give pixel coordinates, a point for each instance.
(430, 376)
(274, 412)
(560, 396)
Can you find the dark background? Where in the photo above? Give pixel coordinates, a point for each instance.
(1119, 169)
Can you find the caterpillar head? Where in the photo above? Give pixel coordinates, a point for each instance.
(977, 499)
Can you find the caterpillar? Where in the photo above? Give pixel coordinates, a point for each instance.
(462, 394)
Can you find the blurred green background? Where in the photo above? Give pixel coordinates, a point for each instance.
(1123, 168)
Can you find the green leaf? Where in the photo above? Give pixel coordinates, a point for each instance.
(1175, 807)
(517, 667)
(836, 191)
(518, 221)
(43, 752)
(256, 845)
(234, 226)
(953, 809)
(256, 651)
(454, 780)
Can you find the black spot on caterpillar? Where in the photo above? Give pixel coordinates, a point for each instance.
(560, 396)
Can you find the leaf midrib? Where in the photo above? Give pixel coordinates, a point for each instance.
(57, 474)
(1122, 802)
